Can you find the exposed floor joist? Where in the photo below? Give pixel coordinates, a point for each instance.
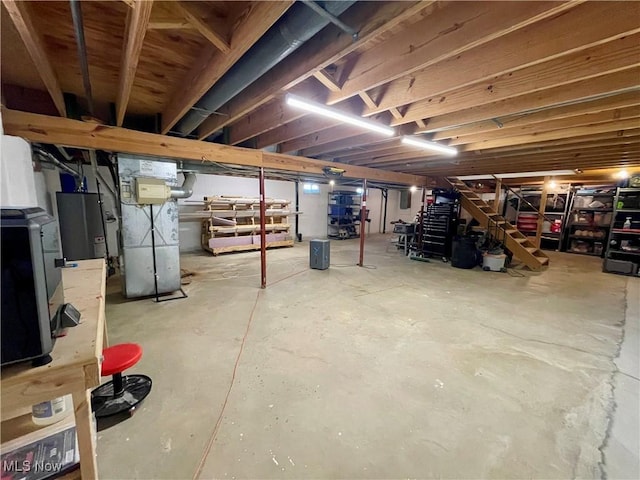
(212, 63)
(137, 21)
(21, 17)
(446, 32)
(576, 30)
(330, 45)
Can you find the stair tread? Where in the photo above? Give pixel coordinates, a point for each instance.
(530, 249)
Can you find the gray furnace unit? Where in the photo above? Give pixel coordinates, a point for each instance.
(319, 254)
(81, 229)
(137, 255)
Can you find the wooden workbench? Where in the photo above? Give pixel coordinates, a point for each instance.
(75, 368)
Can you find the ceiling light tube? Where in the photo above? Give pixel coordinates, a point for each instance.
(436, 147)
(320, 109)
(518, 175)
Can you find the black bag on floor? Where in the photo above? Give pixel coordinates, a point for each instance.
(465, 253)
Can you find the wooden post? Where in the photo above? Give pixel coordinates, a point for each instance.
(263, 233)
(543, 203)
(84, 430)
(496, 199)
(363, 216)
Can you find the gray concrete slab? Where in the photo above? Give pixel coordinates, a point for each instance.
(403, 369)
(622, 446)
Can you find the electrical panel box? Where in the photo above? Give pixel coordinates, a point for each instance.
(319, 254)
(152, 191)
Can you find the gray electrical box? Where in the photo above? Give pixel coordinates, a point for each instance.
(319, 254)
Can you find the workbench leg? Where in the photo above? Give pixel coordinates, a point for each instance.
(85, 431)
(105, 337)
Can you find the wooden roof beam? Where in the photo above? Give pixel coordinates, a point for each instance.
(444, 32)
(297, 129)
(621, 135)
(301, 127)
(505, 167)
(74, 133)
(214, 35)
(351, 142)
(605, 104)
(21, 18)
(135, 30)
(562, 123)
(165, 17)
(325, 48)
(589, 89)
(274, 114)
(613, 57)
(327, 80)
(331, 134)
(553, 135)
(212, 64)
(594, 153)
(578, 29)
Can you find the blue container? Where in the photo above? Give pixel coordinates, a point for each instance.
(340, 210)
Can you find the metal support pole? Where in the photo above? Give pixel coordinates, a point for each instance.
(263, 233)
(153, 253)
(297, 210)
(363, 216)
(385, 195)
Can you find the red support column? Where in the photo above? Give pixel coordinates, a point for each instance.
(263, 232)
(363, 216)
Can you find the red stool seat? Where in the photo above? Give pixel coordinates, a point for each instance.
(118, 358)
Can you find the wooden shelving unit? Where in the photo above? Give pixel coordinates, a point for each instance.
(233, 224)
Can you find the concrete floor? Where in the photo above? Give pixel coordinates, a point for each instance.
(404, 369)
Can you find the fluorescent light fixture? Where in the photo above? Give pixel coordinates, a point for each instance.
(325, 111)
(518, 175)
(436, 147)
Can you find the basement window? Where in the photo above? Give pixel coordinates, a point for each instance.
(311, 188)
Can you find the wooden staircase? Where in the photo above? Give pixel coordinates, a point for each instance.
(514, 240)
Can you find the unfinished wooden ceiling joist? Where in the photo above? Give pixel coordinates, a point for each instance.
(514, 86)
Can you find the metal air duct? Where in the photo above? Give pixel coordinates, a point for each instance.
(186, 189)
(296, 26)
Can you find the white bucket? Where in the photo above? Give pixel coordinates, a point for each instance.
(493, 263)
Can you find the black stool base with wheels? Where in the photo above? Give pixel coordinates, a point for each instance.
(118, 399)
(120, 395)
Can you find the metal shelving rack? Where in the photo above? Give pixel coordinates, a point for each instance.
(548, 237)
(343, 215)
(623, 246)
(587, 228)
